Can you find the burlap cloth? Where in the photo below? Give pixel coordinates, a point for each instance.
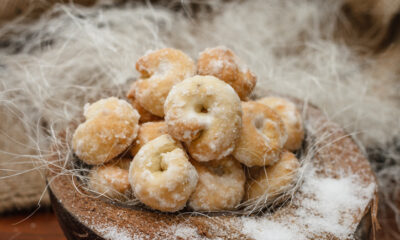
(21, 187)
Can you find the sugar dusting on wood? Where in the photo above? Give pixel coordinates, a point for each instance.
(183, 231)
(178, 231)
(115, 233)
(328, 207)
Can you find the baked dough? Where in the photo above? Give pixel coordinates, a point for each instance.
(206, 114)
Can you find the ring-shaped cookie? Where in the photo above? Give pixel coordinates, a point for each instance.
(111, 179)
(161, 175)
(262, 137)
(220, 187)
(160, 70)
(111, 126)
(205, 113)
(145, 116)
(223, 63)
(291, 117)
(147, 132)
(270, 182)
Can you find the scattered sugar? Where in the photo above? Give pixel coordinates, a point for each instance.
(184, 231)
(326, 206)
(115, 233)
(334, 204)
(266, 229)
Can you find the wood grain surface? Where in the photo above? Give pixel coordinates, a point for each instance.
(42, 225)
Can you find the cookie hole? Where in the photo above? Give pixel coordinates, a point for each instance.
(144, 75)
(201, 109)
(258, 122)
(163, 166)
(199, 134)
(219, 171)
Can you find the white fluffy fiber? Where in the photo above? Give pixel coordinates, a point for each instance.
(289, 44)
(76, 55)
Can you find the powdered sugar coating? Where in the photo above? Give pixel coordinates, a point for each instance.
(161, 175)
(205, 113)
(291, 118)
(145, 116)
(111, 179)
(220, 187)
(111, 126)
(223, 63)
(147, 132)
(262, 137)
(160, 70)
(268, 183)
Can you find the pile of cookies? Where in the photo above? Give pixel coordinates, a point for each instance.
(188, 136)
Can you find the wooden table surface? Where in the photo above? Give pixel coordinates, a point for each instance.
(42, 225)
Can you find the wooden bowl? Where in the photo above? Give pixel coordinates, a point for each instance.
(335, 156)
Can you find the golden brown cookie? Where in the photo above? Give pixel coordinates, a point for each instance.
(161, 175)
(223, 63)
(111, 126)
(160, 70)
(291, 118)
(262, 137)
(220, 187)
(205, 113)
